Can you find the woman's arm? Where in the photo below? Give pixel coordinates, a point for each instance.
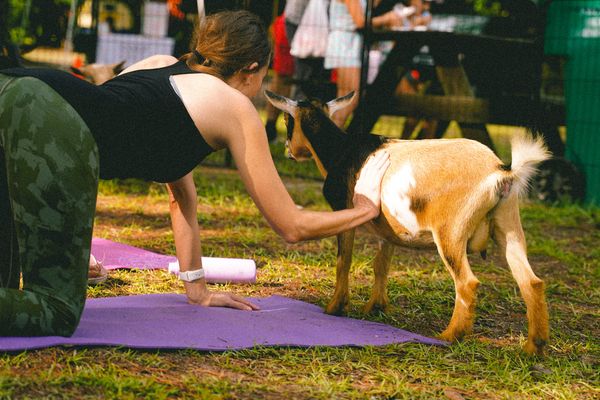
(421, 20)
(247, 141)
(226, 118)
(357, 12)
(183, 209)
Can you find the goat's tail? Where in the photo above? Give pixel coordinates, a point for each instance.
(527, 153)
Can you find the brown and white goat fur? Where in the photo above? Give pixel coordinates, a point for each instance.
(471, 196)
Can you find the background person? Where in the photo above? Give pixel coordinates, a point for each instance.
(311, 78)
(344, 47)
(283, 70)
(413, 82)
(155, 121)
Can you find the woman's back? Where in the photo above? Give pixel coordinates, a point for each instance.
(140, 125)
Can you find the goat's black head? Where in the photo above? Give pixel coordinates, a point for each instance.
(300, 115)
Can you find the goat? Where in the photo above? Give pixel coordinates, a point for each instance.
(99, 73)
(472, 196)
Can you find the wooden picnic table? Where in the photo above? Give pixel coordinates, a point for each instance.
(507, 72)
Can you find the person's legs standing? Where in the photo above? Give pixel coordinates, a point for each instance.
(348, 80)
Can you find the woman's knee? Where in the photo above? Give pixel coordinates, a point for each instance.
(63, 314)
(27, 313)
(67, 320)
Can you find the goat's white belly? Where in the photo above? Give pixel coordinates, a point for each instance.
(395, 197)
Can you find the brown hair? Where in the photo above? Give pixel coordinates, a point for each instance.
(227, 42)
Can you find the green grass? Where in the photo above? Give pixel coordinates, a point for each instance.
(564, 249)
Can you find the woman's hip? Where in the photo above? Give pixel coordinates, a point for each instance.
(36, 121)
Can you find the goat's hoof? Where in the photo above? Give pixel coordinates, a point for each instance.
(376, 306)
(535, 346)
(451, 335)
(336, 308)
(447, 336)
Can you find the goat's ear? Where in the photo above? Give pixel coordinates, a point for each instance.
(118, 67)
(339, 103)
(283, 103)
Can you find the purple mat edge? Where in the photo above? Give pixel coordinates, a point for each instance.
(115, 257)
(61, 344)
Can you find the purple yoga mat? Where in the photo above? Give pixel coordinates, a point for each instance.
(118, 255)
(167, 321)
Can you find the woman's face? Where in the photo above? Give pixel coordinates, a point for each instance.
(255, 82)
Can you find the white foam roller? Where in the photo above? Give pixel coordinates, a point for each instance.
(224, 270)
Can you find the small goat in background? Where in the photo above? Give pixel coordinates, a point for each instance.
(471, 196)
(99, 73)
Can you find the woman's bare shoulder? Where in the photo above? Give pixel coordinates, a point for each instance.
(157, 61)
(218, 110)
(214, 91)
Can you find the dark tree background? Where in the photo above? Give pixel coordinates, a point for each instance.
(46, 24)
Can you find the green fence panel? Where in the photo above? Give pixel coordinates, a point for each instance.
(573, 30)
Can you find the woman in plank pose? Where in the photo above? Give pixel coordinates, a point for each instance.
(156, 121)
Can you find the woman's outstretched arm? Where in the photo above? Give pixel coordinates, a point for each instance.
(225, 117)
(248, 144)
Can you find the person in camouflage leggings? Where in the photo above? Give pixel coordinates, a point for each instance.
(48, 186)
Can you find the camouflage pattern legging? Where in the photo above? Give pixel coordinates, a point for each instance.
(48, 186)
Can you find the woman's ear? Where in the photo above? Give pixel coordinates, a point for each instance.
(252, 67)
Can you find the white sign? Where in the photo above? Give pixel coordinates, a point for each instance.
(117, 47)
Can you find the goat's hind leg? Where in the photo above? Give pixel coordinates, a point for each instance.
(510, 238)
(339, 302)
(454, 256)
(381, 267)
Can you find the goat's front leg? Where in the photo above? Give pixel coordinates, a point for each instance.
(381, 267)
(455, 259)
(339, 302)
(510, 238)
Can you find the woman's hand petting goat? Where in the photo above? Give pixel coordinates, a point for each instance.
(367, 191)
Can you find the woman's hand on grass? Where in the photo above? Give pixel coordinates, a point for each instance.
(222, 299)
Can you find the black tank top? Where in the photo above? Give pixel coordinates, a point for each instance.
(140, 124)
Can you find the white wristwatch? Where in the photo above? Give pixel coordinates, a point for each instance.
(191, 276)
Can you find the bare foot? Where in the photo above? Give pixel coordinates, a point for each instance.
(96, 272)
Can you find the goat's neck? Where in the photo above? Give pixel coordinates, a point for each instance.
(339, 155)
(328, 142)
